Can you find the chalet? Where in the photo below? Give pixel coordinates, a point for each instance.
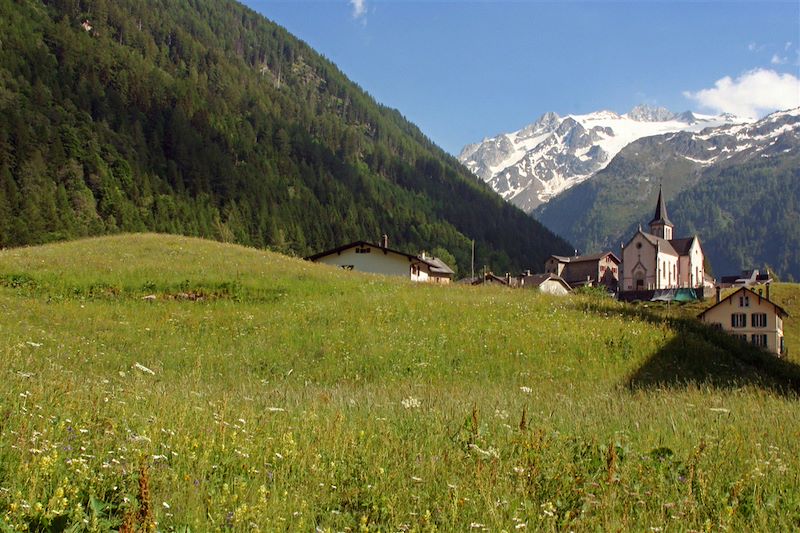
(655, 261)
(363, 256)
(547, 283)
(592, 270)
(749, 316)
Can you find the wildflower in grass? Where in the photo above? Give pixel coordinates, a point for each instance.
(526, 390)
(548, 509)
(411, 403)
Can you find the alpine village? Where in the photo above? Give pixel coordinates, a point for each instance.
(240, 294)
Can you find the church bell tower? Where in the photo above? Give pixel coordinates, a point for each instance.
(661, 226)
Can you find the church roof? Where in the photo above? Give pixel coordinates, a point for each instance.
(662, 244)
(682, 246)
(661, 210)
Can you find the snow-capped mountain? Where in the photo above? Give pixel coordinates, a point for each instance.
(530, 166)
(735, 185)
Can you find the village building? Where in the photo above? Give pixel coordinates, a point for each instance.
(363, 256)
(749, 316)
(490, 278)
(583, 270)
(546, 283)
(748, 278)
(655, 260)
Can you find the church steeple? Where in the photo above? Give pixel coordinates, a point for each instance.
(661, 226)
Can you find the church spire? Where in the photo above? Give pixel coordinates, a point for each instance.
(661, 210)
(661, 225)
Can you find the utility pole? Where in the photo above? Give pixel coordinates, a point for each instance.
(472, 273)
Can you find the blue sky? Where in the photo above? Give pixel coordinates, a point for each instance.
(465, 70)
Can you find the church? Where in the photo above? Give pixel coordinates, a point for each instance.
(655, 260)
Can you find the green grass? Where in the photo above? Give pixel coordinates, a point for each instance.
(259, 392)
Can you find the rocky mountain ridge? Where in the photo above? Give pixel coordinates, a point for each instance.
(531, 166)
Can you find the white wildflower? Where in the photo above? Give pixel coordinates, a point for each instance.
(525, 389)
(410, 403)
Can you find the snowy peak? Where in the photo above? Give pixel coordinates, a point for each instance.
(646, 113)
(529, 166)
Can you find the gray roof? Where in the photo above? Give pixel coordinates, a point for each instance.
(588, 257)
(662, 244)
(682, 246)
(437, 266)
(536, 280)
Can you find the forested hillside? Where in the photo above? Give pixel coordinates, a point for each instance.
(748, 216)
(202, 117)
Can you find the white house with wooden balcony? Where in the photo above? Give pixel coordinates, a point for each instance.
(751, 317)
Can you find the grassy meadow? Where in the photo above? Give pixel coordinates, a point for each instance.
(161, 383)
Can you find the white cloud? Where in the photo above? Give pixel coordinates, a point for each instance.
(755, 47)
(359, 8)
(778, 60)
(753, 94)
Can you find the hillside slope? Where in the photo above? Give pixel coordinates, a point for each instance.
(204, 118)
(204, 386)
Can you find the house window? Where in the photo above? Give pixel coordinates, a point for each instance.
(758, 320)
(759, 340)
(362, 250)
(738, 320)
(744, 301)
(742, 338)
(783, 347)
